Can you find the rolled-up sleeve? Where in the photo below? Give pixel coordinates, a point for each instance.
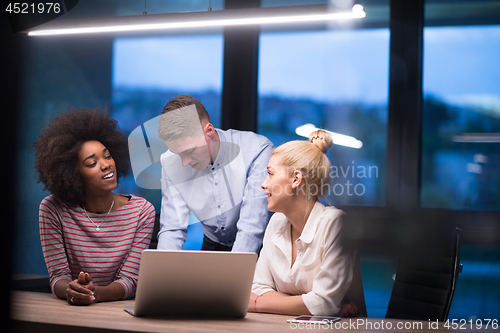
(263, 280)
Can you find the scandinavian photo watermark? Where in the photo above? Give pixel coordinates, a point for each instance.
(339, 180)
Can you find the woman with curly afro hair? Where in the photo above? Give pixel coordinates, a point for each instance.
(92, 238)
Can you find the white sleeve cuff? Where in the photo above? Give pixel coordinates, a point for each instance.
(318, 306)
(260, 289)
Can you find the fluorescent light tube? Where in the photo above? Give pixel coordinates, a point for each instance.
(223, 18)
(477, 138)
(337, 138)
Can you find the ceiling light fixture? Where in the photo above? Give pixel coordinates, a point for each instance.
(477, 138)
(337, 138)
(221, 18)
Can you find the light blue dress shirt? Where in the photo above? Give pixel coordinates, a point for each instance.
(226, 197)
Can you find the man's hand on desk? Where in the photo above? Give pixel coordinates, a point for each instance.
(81, 290)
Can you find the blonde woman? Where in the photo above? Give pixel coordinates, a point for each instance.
(304, 266)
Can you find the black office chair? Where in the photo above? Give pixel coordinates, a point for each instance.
(355, 293)
(426, 276)
(156, 228)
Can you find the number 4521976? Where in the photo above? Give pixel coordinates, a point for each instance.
(31, 8)
(463, 324)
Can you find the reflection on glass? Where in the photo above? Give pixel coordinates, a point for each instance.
(461, 118)
(147, 73)
(337, 81)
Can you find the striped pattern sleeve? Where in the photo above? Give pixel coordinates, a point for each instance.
(129, 272)
(52, 239)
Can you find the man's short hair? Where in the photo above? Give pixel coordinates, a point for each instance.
(177, 119)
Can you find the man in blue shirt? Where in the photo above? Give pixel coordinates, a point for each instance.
(216, 175)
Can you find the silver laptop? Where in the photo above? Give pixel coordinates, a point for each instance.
(193, 284)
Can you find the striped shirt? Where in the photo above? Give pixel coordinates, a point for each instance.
(71, 244)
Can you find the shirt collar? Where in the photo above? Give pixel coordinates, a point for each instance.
(220, 156)
(281, 237)
(311, 226)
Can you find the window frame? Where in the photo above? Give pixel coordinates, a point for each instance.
(407, 21)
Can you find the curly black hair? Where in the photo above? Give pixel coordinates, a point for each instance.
(57, 148)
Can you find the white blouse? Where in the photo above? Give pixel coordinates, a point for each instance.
(323, 269)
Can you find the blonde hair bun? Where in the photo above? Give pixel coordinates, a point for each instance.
(322, 140)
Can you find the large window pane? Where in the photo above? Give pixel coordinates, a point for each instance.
(461, 147)
(338, 81)
(477, 294)
(461, 118)
(147, 73)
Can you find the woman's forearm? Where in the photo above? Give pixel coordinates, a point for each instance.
(280, 303)
(112, 292)
(60, 288)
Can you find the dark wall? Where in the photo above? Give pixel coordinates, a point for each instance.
(57, 73)
(9, 95)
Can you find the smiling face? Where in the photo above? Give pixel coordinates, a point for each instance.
(278, 186)
(97, 168)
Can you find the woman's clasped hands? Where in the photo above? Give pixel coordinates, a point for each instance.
(81, 290)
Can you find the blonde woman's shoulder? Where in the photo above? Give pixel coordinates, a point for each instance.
(332, 214)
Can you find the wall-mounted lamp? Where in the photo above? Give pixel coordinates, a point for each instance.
(221, 18)
(338, 139)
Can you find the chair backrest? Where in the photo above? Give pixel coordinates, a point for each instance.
(355, 293)
(156, 228)
(426, 276)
